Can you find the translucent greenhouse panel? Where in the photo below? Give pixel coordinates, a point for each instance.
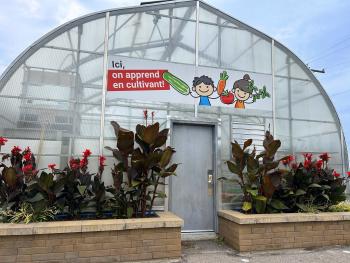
(317, 137)
(13, 87)
(185, 12)
(283, 133)
(300, 99)
(182, 45)
(91, 69)
(90, 80)
(67, 40)
(283, 97)
(209, 45)
(153, 35)
(309, 103)
(242, 50)
(207, 16)
(134, 35)
(53, 59)
(286, 66)
(92, 37)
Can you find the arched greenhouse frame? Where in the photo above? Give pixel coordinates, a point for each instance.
(54, 96)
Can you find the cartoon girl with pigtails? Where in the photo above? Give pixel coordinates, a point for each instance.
(243, 89)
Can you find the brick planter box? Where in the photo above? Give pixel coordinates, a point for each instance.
(281, 231)
(111, 240)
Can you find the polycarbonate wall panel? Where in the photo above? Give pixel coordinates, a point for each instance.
(227, 45)
(52, 102)
(165, 35)
(209, 45)
(67, 40)
(305, 121)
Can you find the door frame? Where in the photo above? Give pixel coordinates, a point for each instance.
(216, 125)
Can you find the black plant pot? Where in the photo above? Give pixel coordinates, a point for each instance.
(62, 217)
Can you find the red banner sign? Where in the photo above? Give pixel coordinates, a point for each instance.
(136, 79)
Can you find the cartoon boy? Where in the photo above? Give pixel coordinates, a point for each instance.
(204, 87)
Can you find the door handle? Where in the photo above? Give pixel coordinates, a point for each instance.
(210, 176)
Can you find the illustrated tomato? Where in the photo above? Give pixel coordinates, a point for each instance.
(227, 98)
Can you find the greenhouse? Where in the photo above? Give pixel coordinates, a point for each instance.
(208, 77)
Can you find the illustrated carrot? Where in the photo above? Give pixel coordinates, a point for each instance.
(222, 82)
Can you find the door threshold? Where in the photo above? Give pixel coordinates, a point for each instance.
(193, 236)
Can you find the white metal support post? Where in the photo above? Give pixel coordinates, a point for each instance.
(197, 51)
(104, 87)
(273, 87)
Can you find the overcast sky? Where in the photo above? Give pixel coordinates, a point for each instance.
(318, 31)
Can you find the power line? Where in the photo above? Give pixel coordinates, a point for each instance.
(329, 53)
(339, 93)
(332, 46)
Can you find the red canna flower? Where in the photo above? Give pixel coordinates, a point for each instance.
(74, 164)
(102, 160)
(348, 173)
(27, 156)
(152, 114)
(16, 150)
(288, 160)
(83, 162)
(87, 153)
(52, 166)
(27, 168)
(294, 166)
(325, 157)
(307, 163)
(307, 156)
(3, 141)
(335, 174)
(319, 164)
(145, 114)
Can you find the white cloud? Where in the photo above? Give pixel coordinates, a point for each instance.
(70, 9)
(30, 6)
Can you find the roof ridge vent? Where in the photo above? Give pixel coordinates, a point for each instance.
(156, 2)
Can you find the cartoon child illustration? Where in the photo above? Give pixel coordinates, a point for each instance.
(202, 87)
(243, 90)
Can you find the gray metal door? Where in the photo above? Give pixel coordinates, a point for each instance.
(192, 190)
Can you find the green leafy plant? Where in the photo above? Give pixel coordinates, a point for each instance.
(309, 186)
(79, 191)
(142, 162)
(341, 207)
(257, 173)
(28, 214)
(72, 191)
(17, 170)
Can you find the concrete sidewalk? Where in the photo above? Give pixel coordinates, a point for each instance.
(214, 251)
